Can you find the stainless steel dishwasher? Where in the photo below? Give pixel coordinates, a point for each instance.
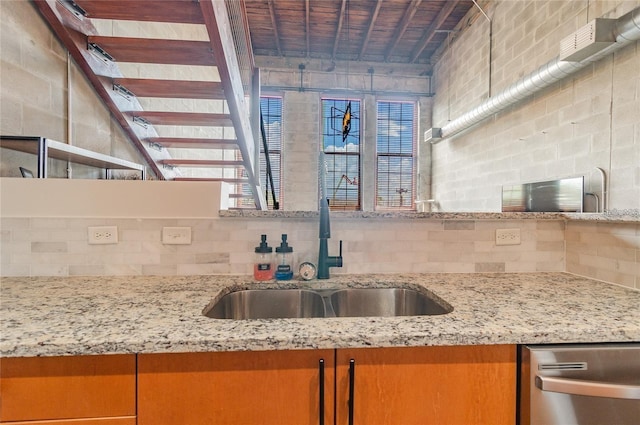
(582, 384)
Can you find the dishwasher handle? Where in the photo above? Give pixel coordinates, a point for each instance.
(588, 388)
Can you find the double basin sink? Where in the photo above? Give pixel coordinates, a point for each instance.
(307, 303)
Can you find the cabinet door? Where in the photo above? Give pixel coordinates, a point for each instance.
(39, 388)
(235, 388)
(462, 385)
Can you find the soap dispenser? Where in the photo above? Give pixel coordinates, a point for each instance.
(284, 260)
(263, 265)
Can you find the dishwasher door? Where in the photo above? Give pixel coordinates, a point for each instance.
(582, 384)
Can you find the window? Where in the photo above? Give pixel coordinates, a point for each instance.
(271, 108)
(395, 146)
(342, 152)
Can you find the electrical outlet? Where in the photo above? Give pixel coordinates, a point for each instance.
(103, 235)
(176, 235)
(507, 236)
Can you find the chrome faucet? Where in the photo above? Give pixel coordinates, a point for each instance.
(324, 259)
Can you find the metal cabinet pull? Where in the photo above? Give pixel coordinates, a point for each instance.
(321, 401)
(588, 388)
(352, 379)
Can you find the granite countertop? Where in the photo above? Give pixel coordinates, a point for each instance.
(613, 216)
(47, 316)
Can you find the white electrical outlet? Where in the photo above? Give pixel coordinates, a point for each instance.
(176, 235)
(507, 236)
(102, 235)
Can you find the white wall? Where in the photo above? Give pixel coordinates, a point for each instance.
(89, 198)
(586, 121)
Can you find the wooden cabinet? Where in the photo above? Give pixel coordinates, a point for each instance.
(234, 388)
(463, 385)
(424, 385)
(95, 421)
(92, 388)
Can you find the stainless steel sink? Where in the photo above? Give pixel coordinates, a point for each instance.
(268, 304)
(383, 302)
(347, 302)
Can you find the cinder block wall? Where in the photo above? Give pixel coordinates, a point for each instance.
(589, 120)
(35, 93)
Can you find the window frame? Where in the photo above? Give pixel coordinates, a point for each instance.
(356, 117)
(413, 155)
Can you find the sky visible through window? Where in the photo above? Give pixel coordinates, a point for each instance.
(395, 154)
(342, 155)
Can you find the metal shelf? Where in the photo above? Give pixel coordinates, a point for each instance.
(47, 148)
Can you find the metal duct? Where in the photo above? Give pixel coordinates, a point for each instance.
(626, 30)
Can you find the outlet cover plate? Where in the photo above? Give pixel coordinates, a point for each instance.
(176, 235)
(102, 235)
(507, 236)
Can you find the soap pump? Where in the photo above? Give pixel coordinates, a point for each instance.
(284, 260)
(263, 266)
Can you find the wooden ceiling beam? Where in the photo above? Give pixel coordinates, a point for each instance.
(148, 50)
(430, 32)
(307, 27)
(402, 27)
(336, 40)
(173, 89)
(274, 25)
(372, 23)
(178, 11)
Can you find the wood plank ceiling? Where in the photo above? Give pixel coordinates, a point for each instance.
(390, 31)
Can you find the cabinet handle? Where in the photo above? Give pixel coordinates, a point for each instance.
(352, 382)
(321, 402)
(588, 388)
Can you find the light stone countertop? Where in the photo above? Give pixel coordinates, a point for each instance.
(613, 216)
(47, 316)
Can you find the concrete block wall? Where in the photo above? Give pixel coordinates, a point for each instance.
(587, 121)
(300, 147)
(35, 92)
(302, 116)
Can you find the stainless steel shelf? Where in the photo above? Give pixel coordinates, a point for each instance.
(47, 148)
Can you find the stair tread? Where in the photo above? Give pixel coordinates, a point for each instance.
(178, 11)
(184, 118)
(194, 143)
(151, 50)
(206, 163)
(212, 179)
(146, 87)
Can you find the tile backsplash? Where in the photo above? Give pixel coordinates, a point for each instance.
(604, 251)
(59, 246)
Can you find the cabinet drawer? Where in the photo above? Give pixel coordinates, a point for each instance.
(73, 387)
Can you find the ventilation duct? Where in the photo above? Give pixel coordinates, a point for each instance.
(625, 29)
(588, 40)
